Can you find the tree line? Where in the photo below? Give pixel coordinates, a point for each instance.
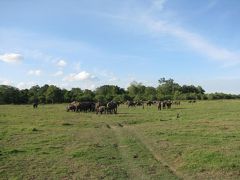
(167, 89)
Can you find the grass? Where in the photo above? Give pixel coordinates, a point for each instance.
(48, 142)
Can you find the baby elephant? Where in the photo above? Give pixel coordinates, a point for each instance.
(35, 105)
(101, 109)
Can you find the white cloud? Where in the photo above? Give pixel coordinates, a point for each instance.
(212, 4)
(35, 54)
(107, 75)
(81, 76)
(226, 85)
(158, 4)
(58, 73)
(36, 72)
(77, 66)
(61, 63)
(193, 40)
(11, 57)
(5, 82)
(25, 85)
(159, 25)
(92, 87)
(114, 79)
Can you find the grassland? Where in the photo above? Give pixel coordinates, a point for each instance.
(50, 143)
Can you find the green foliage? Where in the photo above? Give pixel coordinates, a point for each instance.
(138, 98)
(33, 94)
(9, 94)
(136, 89)
(85, 98)
(53, 94)
(119, 98)
(166, 90)
(75, 93)
(110, 90)
(50, 143)
(216, 96)
(100, 98)
(150, 94)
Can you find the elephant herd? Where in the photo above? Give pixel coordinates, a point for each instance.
(139, 103)
(166, 104)
(112, 106)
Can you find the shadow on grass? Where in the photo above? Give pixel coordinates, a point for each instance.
(15, 151)
(67, 124)
(128, 113)
(172, 109)
(165, 119)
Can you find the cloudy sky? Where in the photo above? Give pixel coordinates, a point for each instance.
(88, 43)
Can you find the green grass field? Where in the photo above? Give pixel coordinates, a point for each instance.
(50, 143)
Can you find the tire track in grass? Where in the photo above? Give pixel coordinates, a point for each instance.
(147, 143)
(139, 160)
(134, 172)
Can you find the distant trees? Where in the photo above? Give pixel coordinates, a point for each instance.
(33, 94)
(216, 96)
(54, 94)
(42, 93)
(9, 94)
(109, 92)
(136, 91)
(167, 89)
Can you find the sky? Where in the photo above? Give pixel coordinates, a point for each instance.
(89, 43)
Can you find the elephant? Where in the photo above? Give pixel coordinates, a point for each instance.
(101, 109)
(192, 101)
(98, 104)
(159, 105)
(112, 107)
(81, 106)
(149, 103)
(164, 104)
(169, 104)
(177, 102)
(72, 106)
(131, 103)
(86, 106)
(35, 105)
(139, 103)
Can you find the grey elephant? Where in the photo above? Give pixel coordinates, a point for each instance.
(101, 109)
(112, 107)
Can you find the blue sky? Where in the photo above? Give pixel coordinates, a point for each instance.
(88, 43)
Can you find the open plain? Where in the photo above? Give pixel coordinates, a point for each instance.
(190, 141)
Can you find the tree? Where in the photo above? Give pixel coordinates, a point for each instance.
(167, 88)
(67, 95)
(100, 98)
(23, 96)
(87, 95)
(42, 93)
(76, 93)
(136, 89)
(178, 95)
(9, 94)
(54, 94)
(108, 92)
(150, 94)
(33, 94)
(118, 98)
